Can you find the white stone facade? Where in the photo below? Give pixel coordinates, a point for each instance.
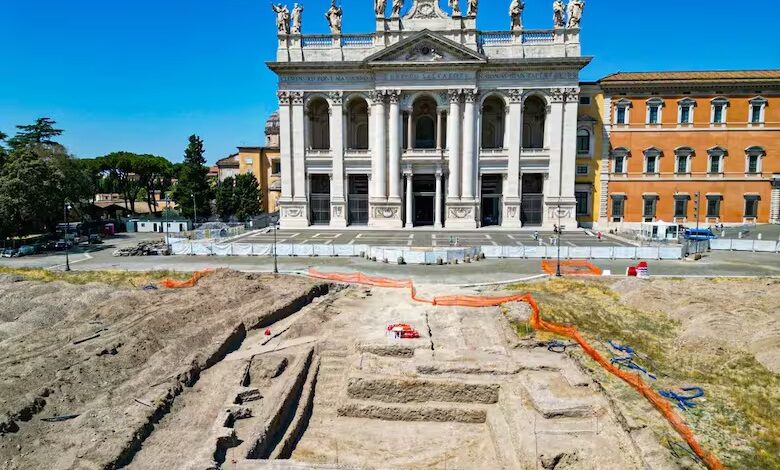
(429, 122)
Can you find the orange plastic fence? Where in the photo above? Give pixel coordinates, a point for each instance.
(571, 267)
(634, 380)
(191, 282)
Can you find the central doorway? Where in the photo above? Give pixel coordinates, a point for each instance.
(424, 204)
(492, 189)
(532, 204)
(358, 200)
(319, 200)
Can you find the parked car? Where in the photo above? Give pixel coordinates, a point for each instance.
(95, 239)
(63, 245)
(27, 250)
(10, 253)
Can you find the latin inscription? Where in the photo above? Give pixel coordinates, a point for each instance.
(416, 76)
(287, 79)
(530, 76)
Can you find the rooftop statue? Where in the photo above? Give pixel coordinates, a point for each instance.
(333, 16)
(380, 7)
(397, 5)
(473, 5)
(297, 18)
(516, 14)
(575, 13)
(455, 5)
(282, 18)
(559, 14)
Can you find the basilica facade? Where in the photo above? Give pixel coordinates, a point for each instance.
(428, 121)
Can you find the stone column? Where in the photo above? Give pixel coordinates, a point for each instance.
(453, 141)
(285, 146)
(439, 130)
(774, 203)
(338, 212)
(299, 148)
(379, 161)
(395, 141)
(513, 132)
(409, 199)
(437, 203)
(409, 138)
(293, 204)
(560, 203)
(469, 144)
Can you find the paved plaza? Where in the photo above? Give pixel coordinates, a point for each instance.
(428, 239)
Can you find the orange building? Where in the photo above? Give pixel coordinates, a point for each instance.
(264, 163)
(679, 140)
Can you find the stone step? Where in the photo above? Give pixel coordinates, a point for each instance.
(430, 412)
(502, 438)
(553, 397)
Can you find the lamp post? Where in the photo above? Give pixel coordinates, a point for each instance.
(560, 180)
(167, 224)
(274, 221)
(66, 210)
(195, 210)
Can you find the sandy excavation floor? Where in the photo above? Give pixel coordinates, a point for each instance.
(186, 380)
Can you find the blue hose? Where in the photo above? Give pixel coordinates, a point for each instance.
(684, 402)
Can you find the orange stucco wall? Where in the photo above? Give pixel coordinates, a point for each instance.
(733, 183)
(258, 162)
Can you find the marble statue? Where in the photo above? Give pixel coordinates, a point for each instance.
(455, 5)
(559, 14)
(516, 13)
(380, 6)
(397, 5)
(282, 18)
(472, 11)
(297, 18)
(333, 16)
(575, 13)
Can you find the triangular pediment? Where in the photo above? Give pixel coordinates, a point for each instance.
(425, 47)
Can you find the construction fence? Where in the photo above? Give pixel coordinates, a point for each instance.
(761, 246)
(584, 252)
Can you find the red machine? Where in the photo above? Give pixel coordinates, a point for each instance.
(403, 331)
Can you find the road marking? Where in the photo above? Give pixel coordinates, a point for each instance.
(570, 243)
(410, 243)
(511, 237)
(87, 257)
(329, 242)
(359, 235)
(351, 242)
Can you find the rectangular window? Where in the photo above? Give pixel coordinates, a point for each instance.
(713, 206)
(276, 167)
(715, 164)
(685, 115)
(652, 117)
(249, 161)
(717, 114)
(583, 208)
(648, 212)
(619, 165)
(583, 143)
(752, 164)
(584, 100)
(583, 170)
(751, 207)
(755, 113)
(621, 115)
(618, 207)
(682, 164)
(680, 207)
(651, 165)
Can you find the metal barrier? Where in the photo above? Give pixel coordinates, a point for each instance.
(761, 246)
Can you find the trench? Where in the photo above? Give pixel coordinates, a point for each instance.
(190, 377)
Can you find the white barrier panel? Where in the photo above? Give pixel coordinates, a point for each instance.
(323, 250)
(742, 245)
(200, 249)
(579, 252)
(451, 256)
(513, 252)
(764, 246)
(357, 249)
(601, 252)
(284, 249)
(392, 255)
(303, 250)
(414, 257)
(670, 252)
(242, 249)
(623, 252)
(262, 250)
(492, 251)
(181, 248)
(647, 252)
(552, 252)
(533, 251)
(432, 258)
(720, 244)
(222, 250)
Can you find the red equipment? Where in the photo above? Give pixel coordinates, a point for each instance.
(404, 331)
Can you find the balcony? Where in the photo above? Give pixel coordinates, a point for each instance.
(357, 154)
(318, 154)
(493, 154)
(424, 154)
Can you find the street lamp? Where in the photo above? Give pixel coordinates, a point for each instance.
(66, 210)
(167, 224)
(560, 179)
(560, 232)
(195, 210)
(274, 221)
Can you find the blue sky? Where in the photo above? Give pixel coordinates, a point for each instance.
(142, 75)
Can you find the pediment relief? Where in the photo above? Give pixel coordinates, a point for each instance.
(426, 48)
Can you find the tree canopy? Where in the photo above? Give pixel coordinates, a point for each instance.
(193, 184)
(41, 133)
(238, 198)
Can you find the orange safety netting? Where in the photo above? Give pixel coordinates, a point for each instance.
(171, 284)
(571, 267)
(634, 380)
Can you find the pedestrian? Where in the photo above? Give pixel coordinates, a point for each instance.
(536, 236)
(599, 235)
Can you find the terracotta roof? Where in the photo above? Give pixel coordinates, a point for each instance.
(228, 162)
(725, 77)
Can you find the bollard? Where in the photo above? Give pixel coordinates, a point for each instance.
(760, 236)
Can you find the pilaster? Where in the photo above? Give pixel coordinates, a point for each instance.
(293, 204)
(512, 202)
(560, 204)
(395, 140)
(338, 205)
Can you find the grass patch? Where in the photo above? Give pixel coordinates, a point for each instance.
(114, 278)
(739, 420)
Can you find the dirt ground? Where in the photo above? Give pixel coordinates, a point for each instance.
(116, 358)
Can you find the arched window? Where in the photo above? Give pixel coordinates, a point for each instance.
(534, 115)
(583, 142)
(493, 114)
(357, 124)
(424, 120)
(319, 124)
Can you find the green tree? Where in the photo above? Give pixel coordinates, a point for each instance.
(121, 167)
(247, 197)
(3, 152)
(39, 134)
(154, 174)
(226, 202)
(193, 184)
